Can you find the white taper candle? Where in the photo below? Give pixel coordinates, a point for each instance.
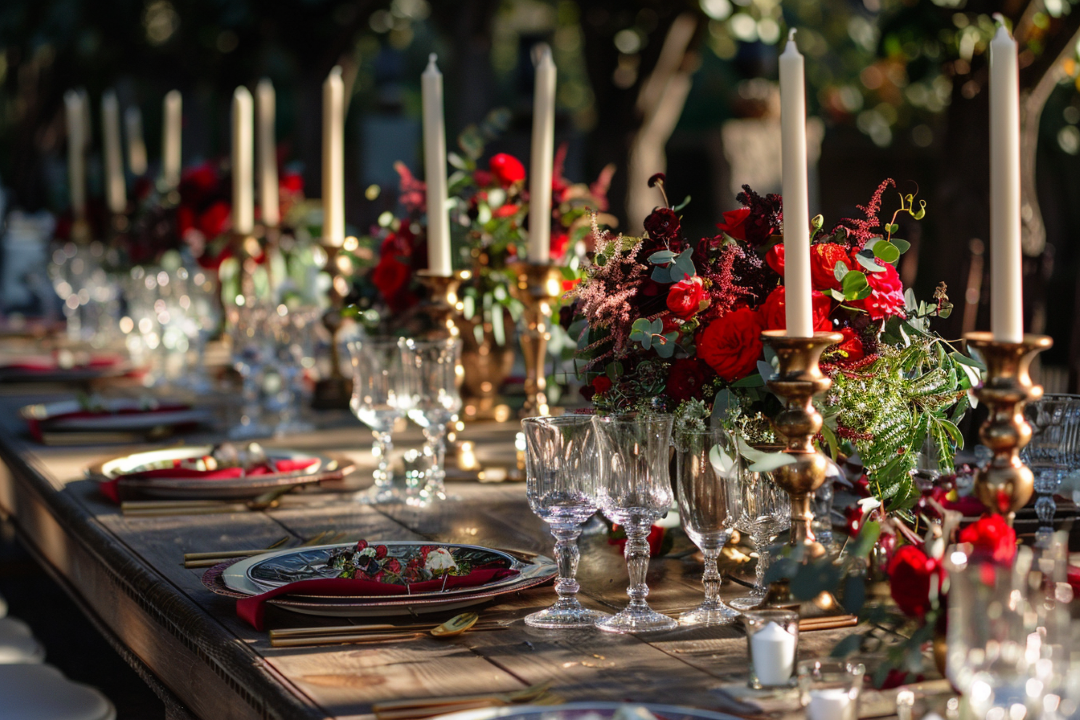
(76, 133)
(136, 146)
(243, 207)
(797, 293)
(115, 188)
(543, 152)
(438, 230)
(170, 138)
(265, 106)
(333, 168)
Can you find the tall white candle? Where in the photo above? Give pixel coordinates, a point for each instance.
(438, 229)
(88, 120)
(243, 207)
(797, 294)
(115, 190)
(136, 146)
(76, 133)
(333, 178)
(543, 152)
(773, 648)
(265, 104)
(170, 138)
(1006, 290)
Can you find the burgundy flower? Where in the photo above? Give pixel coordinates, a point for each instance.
(731, 344)
(686, 378)
(687, 297)
(734, 221)
(507, 169)
(389, 276)
(911, 572)
(483, 178)
(601, 384)
(662, 224)
(765, 218)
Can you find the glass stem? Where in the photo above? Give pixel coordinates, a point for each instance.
(381, 448)
(711, 579)
(637, 564)
(566, 555)
(436, 448)
(761, 545)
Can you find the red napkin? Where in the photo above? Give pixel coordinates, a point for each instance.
(36, 429)
(44, 364)
(109, 487)
(251, 609)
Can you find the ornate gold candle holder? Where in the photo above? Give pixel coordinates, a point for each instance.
(442, 307)
(798, 380)
(1006, 484)
(334, 391)
(538, 287)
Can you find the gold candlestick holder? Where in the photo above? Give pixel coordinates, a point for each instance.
(442, 307)
(334, 391)
(538, 287)
(797, 381)
(1006, 484)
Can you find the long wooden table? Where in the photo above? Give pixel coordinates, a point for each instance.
(127, 575)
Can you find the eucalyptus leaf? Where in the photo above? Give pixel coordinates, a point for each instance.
(662, 256)
(886, 252)
(765, 369)
(902, 245)
(662, 274)
(750, 381)
(840, 271)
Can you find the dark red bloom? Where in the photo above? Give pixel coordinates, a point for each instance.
(687, 297)
(775, 258)
(773, 311)
(655, 539)
(507, 169)
(765, 218)
(662, 224)
(361, 545)
(886, 294)
(392, 565)
(380, 551)
(911, 574)
(390, 275)
(686, 377)
(601, 384)
(483, 178)
(823, 260)
(291, 183)
(992, 539)
(734, 221)
(731, 344)
(851, 348)
(559, 244)
(215, 220)
(657, 178)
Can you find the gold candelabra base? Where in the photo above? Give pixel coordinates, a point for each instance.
(1006, 484)
(442, 307)
(797, 381)
(538, 287)
(334, 391)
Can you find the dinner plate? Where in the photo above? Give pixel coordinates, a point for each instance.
(47, 368)
(533, 570)
(112, 415)
(588, 711)
(183, 488)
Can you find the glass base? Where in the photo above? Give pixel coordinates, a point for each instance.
(709, 614)
(747, 602)
(293, 428)
(250, 431)
(376, 495)
(637, 620)
(562, 618)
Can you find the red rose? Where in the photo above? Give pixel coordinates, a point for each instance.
(507, 168)
(775, 258)
(559, 244)
(886, 294)
(389, 276)
(215, 220)
(482, 178)
(773, 312)
(662, 224)
(601, 384)
(687, 297)
(733, 223)
(823, 259)
(380, 552)
(731, 344)
(851, 348)
(361, 545)
(507, 210)
(686, 378)
(911, 574)
(992, 538)
(291, 183)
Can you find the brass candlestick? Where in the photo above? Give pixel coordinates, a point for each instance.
(1006, 484)
(442, 307)
(334, 391)
(538, 287)
(798, 380)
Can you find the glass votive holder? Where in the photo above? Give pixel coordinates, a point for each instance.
(772, 639)
(829, 689)
(916, 704)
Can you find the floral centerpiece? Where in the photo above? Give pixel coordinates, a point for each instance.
(667, 324)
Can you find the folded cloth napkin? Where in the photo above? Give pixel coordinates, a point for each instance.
(111, 490)
(251, 609)
(45, 363)
(38, 426)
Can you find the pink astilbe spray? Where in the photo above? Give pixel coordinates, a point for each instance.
(860, 231)
(724, 290)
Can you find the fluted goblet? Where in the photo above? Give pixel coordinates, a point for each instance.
(379, 399)
(763, 512)
(433, 375)
(634, 492)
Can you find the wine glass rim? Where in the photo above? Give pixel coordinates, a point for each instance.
(438, 342)
(629, 418)
(376, 340)
(558, 420)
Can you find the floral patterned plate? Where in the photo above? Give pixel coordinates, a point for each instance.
(589, 711)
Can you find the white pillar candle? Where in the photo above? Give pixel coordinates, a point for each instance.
(243, 207)
(115, 190)
(438, 230)
(774, 652)
(830, 703)
(170, 138)
(76, 130)
(797, 293)
(333, 177)
(265, 104)
(1006, 293)
(88, 120)
(136, 146)
(543, 153)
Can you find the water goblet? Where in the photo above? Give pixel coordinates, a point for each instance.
(764, 511)
(433, 376)
(249, 346)
(1054, 450)
(635, 491)
(378, 401)
(561, 483)
(706, 465)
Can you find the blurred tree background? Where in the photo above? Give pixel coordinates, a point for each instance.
(899, 85)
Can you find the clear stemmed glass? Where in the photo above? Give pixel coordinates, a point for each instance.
(378, 401)
(707, 465)
(1053, 451)
(635, 491)
(433, 374)
(250, 350)
(284, 396)
(561, 483)
(764, 511)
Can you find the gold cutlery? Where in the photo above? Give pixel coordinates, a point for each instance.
(352, 635)
(210, 559)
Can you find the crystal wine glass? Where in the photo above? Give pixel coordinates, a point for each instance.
(250, 351)
(433, 374)
(635, 491)
(1053, 451)
(706, 465)
(378, 402)
(561, 480)
(764, 511)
